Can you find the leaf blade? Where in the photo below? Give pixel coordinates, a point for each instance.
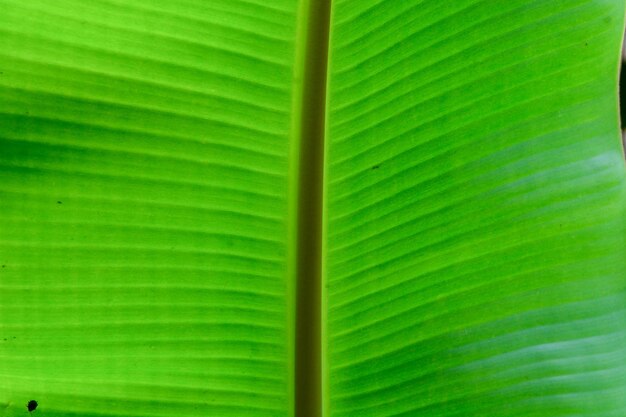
(145, 220)
(474, 189)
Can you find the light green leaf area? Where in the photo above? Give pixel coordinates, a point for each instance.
(474, 210)
(144, 235)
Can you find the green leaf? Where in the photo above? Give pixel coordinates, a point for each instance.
(145, 226)
(160, 219)
(475, 210)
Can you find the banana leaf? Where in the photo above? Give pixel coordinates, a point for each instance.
(179, 181)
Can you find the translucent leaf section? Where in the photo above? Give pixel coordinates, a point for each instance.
(474, 210)
(144, 207)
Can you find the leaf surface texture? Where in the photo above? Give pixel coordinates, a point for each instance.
(474, 234)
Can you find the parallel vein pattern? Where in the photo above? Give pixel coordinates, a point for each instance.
(143, 199)
(474, 210)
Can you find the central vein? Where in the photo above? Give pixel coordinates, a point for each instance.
(315, 19)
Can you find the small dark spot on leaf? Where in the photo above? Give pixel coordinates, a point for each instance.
(376, 166)
(4, 266)
(32, 405)
(59, 202)
(586, 44)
